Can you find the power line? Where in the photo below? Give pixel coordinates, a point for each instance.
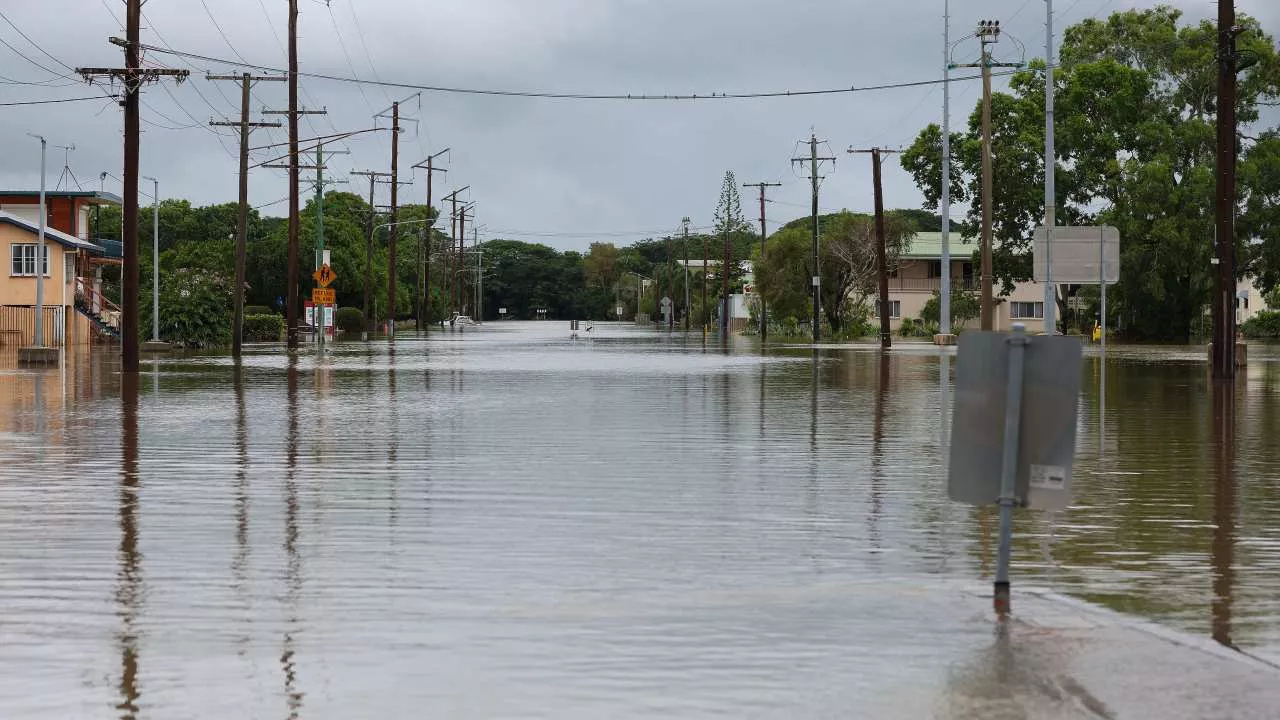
(34, 43)
(578, 96)
(351, 65)
(62, 100)
(369, 56)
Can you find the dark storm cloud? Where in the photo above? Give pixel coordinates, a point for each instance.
(543, 165)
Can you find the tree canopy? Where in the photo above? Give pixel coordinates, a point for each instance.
(1135, 143)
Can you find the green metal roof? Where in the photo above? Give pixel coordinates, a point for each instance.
(928, 246)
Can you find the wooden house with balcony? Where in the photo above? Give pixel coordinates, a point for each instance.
(75, 311)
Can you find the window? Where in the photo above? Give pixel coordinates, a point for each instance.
(1031, 310)
(895, 308)
(935, 269)
(22, 260)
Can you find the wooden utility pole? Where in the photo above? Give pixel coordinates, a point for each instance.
(1224, 275)
(882, 251)
(292, 309)
(988, 34)
(764, 315)
(816, 279)
(373, 176)
(462, 258)
(685, 223)
(671, 284)
(705, 259)
(291, 276)
(392, 230)
(425, 243)
(132, 77)
(242, 216)
(450, 260)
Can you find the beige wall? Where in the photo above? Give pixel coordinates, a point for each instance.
(22, 290)
(912, 288)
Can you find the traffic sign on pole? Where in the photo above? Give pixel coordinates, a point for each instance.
(324, 276)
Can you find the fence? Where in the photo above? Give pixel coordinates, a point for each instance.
(18, 327)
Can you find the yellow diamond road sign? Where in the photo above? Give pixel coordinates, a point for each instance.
(324, 276)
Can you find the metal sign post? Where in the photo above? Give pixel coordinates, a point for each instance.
(1009, 465)
(1014, 428)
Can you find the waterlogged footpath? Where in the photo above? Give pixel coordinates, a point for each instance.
(504, 522)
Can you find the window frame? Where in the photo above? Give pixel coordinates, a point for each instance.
(895, 309)
(1016, 305)
(28, 259)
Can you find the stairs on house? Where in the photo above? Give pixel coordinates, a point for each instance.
(103, 314)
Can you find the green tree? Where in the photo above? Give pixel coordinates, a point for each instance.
(847, 260)
(1135, 149)
(602, 265)
(965, 306)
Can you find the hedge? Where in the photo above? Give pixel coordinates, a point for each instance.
(259, 310)
(349, 319)
(1264, 325)
(263, 328)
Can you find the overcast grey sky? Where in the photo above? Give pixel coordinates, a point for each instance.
(563, 172)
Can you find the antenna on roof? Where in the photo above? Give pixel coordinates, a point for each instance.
(66, 169)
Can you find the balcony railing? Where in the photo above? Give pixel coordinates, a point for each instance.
(902, 284)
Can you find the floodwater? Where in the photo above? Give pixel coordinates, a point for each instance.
(506, 522)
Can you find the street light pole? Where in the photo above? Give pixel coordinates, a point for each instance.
(155, 258)
(41, 250)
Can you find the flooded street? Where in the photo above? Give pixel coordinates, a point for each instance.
(509, 523)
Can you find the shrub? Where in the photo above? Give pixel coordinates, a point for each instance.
(258, 310)
(263, 327)
(349, 319)
(195, 308)
(965, 306)
(1265, 324)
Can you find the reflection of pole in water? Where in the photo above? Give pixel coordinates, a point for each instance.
(1102, 403)
(240, 563)
(393, 440)
(944, 403)
(877, 450)
(293, 568)
(129, 578)
(813, 401)
(1224, 509)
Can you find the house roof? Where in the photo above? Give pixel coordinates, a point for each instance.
(95, 197)
(928, 246)
(57, 236)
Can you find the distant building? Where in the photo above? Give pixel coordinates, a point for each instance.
(919, 276)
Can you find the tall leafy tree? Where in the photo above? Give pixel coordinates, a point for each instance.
(1135, 108)
(847, 259)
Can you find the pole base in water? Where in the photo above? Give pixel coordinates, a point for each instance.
(1000, 598)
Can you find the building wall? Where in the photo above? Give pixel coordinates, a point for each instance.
(22, 290)
(912, 287)
(1253, 302)
(64, 213)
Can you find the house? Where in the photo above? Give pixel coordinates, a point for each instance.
(919, 275)
(75, 309)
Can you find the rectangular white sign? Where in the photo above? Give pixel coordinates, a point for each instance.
(1080, 255)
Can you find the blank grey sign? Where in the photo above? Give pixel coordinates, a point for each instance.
(1075, 254)
(1047, 430)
